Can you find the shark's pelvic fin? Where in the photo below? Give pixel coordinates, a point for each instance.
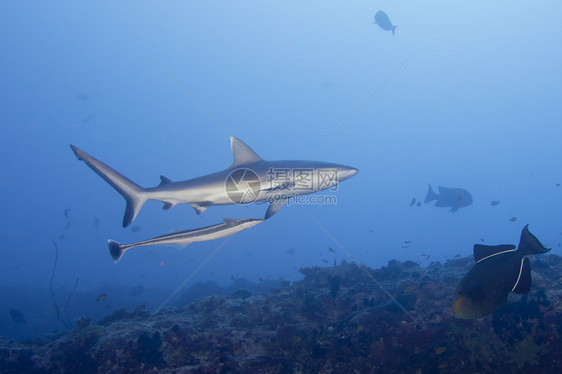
(242, 153)
(134, 195)
(199, 208)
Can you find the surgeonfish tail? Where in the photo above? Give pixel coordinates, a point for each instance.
(431, 195)
(134, 195)
(529, 244)
(115, 249)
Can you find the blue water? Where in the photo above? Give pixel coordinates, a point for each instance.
(466, 96)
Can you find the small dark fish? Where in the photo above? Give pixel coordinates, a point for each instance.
(557, 184)
(82, 96)
(513, 219)
(371, 230)
(403, 246)
(413, 202)
(407, 241)
(495, 202)
(67, 226)
(331, 249)
(135, 228)
(426, 255)
(499, 270)
(66, 213)
(101, 297)
(454, 198)
(383, 21)
(324, 260)
(17, 316)
(260, 278)
(96, 222)
(418, 204)
(482, 239)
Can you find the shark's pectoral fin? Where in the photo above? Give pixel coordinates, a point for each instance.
(168, 205)
(200, 208)
(274, 207)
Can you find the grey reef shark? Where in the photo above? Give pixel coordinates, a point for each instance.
(183, 238)
(249, 179)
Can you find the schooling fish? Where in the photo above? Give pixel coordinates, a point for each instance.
(383, 21)
(454, 198)
(185, 237)
(499, 270)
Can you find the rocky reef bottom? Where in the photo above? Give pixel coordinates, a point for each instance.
(336, 320)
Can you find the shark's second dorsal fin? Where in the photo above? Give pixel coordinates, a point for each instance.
(483, 251)
(164, 180)
(242, 153)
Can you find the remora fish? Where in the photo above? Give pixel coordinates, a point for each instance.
(185, 237)
(383, 21)
(499, 270)
(249, 179)
(449, 197)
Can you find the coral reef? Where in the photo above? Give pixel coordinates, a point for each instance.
(337, 319)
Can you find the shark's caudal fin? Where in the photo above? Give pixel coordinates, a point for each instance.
(116, 250)
(134, 195)
(431, 195)
(529, 244)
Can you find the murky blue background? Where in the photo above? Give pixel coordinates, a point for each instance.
(476, 106)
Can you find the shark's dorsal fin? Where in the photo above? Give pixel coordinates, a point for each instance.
(242, 153)
(484, 251)
(164, 180)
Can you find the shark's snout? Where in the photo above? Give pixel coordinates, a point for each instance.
(347, 173)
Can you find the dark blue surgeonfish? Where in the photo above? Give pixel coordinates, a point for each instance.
(499, 270)
(383, 21)
(454, 198)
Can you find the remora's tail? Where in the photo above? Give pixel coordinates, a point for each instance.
(529, 244)
(116, 250)
(134, 195)
(431, 195)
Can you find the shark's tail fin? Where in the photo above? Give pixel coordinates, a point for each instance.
(431, 195)
(529, 244)
(116, 250)
(134, 195)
